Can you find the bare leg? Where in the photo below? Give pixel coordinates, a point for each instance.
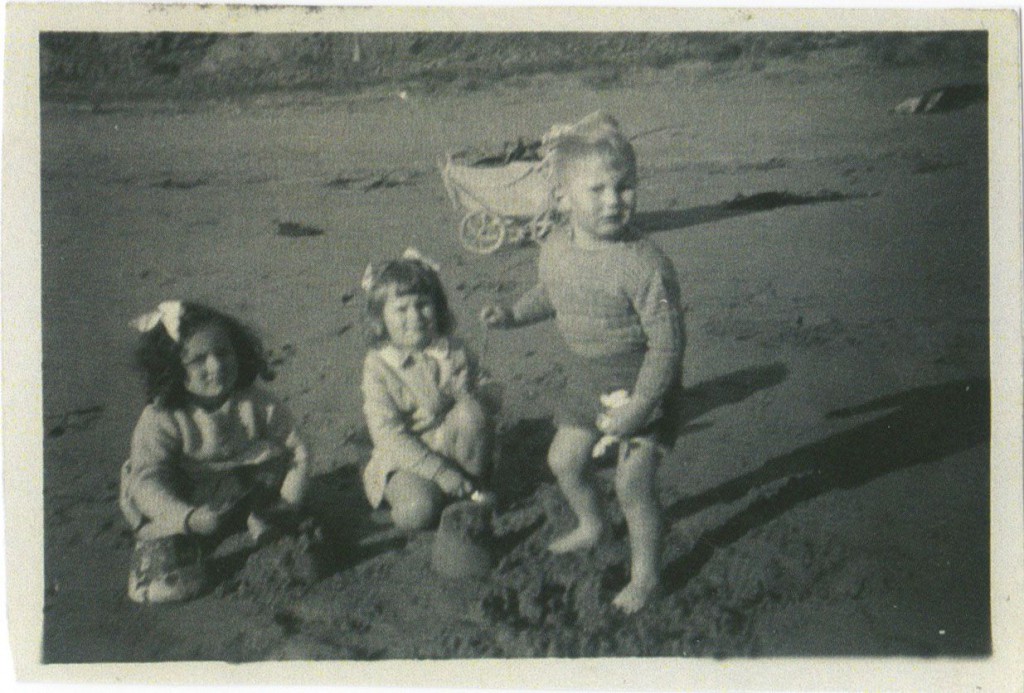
(295, 484)
(634, 485)
(568, 458)
(415, 502)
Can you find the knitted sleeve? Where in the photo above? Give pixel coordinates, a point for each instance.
(388, 427)
(656, 301)
(151, 471)
(281, 428)
(533, 306)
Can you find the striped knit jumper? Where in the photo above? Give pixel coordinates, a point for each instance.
(619, 298)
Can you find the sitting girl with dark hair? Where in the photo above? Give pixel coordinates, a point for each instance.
(211, 452)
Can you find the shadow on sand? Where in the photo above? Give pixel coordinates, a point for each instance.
(921, 425)
(741, 205)
(731, 388)
(343, 520)
(338, 505)
(521, 467)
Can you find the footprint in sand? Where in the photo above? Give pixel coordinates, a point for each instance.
(74, 420)
(291, 229)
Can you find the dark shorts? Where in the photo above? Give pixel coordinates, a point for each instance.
(589, 378)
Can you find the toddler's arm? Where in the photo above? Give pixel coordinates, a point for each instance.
(282, 432)
(148, 489)
(533, 306)
(657, 304)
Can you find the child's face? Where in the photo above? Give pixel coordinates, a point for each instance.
(410, 319)
(601, 197)
(211, 365)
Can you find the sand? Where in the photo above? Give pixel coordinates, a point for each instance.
(829, 493)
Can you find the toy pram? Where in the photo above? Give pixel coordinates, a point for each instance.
(510, 202)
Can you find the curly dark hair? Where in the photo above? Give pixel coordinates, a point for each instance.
(158, 356)
(409, 278)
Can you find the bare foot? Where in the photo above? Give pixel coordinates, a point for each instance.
(634, 596)
(583, 537)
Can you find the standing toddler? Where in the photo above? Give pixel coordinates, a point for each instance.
(615, 299)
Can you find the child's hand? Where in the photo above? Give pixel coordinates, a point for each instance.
(203, 520)
(483, 497)
(624, 420)
(602, 446)
(453, 483)
(497, 316)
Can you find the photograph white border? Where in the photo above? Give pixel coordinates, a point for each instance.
(21, 361)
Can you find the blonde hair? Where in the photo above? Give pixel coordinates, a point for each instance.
(598, 134)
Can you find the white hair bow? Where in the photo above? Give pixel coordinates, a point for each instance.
(167, 313)
(370, 273)
(414, 254)
(368, 280)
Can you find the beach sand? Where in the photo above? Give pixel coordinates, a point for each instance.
(829, 494)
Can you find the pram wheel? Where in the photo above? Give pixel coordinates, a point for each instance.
(482, 233)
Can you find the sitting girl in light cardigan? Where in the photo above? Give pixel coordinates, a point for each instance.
(430, 433)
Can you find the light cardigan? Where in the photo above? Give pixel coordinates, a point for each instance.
(622, 297)
(406, 395)
(169, 444)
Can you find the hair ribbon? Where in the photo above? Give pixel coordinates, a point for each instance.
(167, 314)
(368, 280)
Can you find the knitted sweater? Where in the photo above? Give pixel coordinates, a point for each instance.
(621, 297)
(173, 450)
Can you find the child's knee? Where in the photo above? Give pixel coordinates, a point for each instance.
(563, 465)
(415, 502)
(469, 415)
(294, 487)
(570, 451)
(421, 512)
